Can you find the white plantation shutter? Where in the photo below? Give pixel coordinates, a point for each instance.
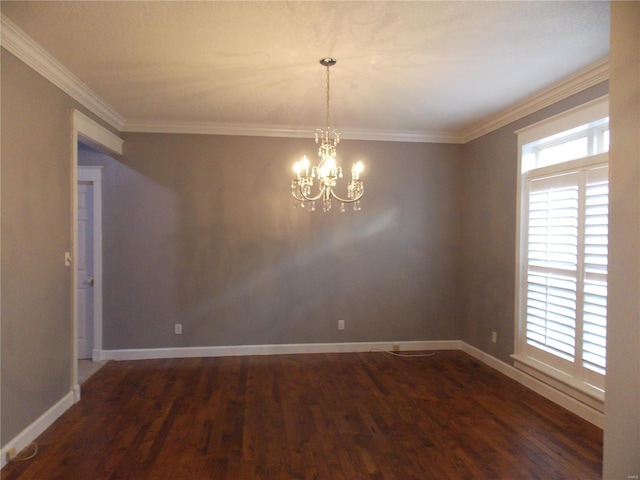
(566, 267)
(594, 336)
(551, 325)
(552, 246)
(561, 274)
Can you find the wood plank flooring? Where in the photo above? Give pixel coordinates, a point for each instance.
(323, 416)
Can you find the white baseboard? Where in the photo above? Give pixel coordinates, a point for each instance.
(76, 393)
(574, 406)
(242, 350)
(29, 434)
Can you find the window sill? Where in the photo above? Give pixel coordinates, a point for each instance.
(582, 392)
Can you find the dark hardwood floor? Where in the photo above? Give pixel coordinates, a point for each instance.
(322, 416)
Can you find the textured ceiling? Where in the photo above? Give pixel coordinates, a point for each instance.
(413, 67)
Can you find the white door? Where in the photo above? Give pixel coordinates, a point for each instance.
(85, 270)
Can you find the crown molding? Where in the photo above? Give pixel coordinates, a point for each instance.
(203, 128)
(27, 50)
(588, 77)
(32, 54)
(142, 126)
(401, 136)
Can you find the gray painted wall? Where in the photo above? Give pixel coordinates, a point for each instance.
(36, 231)
(489, 190)
(200, 230)
(36, 315)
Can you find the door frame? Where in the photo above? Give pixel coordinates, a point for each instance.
(93, 175)
(90, 132)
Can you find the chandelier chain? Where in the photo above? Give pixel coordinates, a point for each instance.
(328, 96)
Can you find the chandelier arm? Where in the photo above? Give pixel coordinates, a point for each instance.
(346, 200)
(293, 194)
(304, 198)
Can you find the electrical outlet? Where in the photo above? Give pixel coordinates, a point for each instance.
(12, 453)
(178, 329)
(340, 324)
(494, 337)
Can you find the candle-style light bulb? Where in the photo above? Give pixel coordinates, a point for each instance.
(304, 163)
(331, 164)
(356, 169)
(324, 170)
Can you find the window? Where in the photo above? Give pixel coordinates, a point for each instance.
(562, 257)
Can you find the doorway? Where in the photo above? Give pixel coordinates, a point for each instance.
(89, 263)
(86, 131)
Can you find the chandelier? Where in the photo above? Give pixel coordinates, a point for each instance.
(327, 172)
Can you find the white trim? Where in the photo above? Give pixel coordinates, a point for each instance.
(572, 118)
(93, 174)
(575, 406)
(589, 162)
(561, 381)
(76, 391)
(151, 126)
(142, 126)
(26, 49)
(243, 350)
(74, 254)
(29, 434)
(589, 77)
(94, 133)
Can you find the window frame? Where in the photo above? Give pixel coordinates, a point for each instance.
(530, 140)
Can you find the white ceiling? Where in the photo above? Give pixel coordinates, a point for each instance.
(415, 67)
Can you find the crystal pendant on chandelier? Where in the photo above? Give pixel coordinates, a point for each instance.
(327, 172)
